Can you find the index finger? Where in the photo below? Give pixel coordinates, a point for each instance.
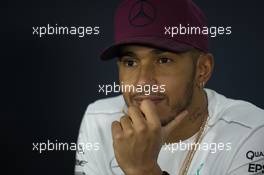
(149, 110)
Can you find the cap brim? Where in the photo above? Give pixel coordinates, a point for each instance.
(161, 43)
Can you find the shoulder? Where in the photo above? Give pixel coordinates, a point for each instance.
(237, 123)
(234, 111)
(106, 105)
(100, 114)
(244, 113)
(96, 122)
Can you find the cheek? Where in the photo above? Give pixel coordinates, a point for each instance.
(176, 78)
(127, 76)
(173, 85)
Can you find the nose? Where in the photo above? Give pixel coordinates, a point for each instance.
(146, 75)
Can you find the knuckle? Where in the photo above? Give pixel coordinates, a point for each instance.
(142, 129)
(156, 128)
(123, 118)
(129, 132)
(131, 109)
(118, 137)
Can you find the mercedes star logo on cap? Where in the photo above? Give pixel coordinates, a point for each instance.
(142, 13)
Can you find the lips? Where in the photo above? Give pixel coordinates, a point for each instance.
(154, 99)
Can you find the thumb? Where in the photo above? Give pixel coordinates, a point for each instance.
(173, 124)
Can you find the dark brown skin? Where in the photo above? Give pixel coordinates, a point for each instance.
(159, 118)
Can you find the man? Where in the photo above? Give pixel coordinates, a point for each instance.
(178, 127)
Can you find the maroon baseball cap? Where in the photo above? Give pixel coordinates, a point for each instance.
(151, 22)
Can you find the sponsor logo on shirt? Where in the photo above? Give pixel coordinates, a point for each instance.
(251, 155)
(114, 167)
(254, 166)
(199, 169)
(80, 162)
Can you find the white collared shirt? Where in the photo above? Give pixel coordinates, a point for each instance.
(232, 142)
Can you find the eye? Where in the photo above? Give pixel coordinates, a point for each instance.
(164, 60)
(128, 62)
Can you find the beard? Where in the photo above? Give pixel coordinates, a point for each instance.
(184, 102)
(182, 105)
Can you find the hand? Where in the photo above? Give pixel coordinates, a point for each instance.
(138, 137)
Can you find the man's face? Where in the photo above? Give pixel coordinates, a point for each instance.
(140, 65)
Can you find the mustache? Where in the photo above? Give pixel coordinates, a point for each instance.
(140, 94)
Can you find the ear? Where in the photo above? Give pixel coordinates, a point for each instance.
(205, 66)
